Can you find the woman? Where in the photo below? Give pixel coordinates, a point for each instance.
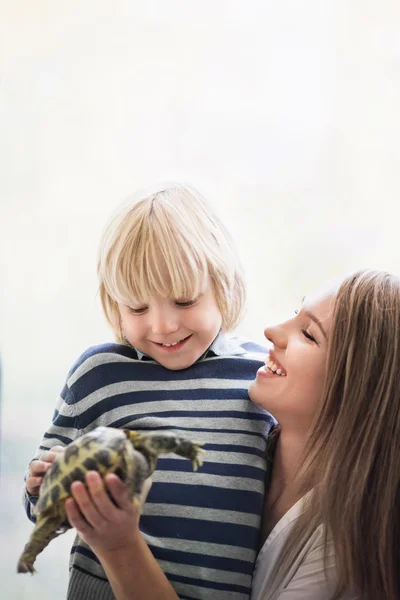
(332, 524)
(332, 517)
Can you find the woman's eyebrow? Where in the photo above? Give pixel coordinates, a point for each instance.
(311, 316)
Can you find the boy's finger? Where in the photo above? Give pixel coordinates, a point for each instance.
(34, 482)
(38, 467)
(48, 456)
(32, 485)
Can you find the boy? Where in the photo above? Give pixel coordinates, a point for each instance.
(171, 288)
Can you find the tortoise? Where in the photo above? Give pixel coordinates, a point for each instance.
(129, 454)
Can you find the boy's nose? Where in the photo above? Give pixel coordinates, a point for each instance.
(164, 322)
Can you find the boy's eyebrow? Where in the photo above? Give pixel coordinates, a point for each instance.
(193, 297)
(311, 316)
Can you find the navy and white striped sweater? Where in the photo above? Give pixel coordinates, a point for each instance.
(202, 527)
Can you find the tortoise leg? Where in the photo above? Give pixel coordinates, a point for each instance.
(185, 448)
(137, 470)
(46, 530)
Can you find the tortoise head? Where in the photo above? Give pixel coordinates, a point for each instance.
(132, 436)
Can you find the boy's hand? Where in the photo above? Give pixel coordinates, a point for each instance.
(38, 468)
(105, 525)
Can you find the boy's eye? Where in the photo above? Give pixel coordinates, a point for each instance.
(187, 303)
(137, 311)
(308, 335)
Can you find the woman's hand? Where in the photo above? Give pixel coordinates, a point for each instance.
(112, 531)
(106, 526)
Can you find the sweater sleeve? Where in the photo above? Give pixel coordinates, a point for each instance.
(63, 430)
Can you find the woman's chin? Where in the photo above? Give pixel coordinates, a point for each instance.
(257, 395)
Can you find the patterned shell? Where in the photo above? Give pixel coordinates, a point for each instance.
(101, 450)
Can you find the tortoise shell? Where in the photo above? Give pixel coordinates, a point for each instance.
(130, 455)
(104, 449)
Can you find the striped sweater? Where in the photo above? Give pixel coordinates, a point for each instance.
(203, 527)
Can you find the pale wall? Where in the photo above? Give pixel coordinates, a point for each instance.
(285, 113)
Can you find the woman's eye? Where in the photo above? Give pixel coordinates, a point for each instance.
(137, 311)
(308, 335)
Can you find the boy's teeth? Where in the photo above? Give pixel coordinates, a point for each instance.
(168, 345)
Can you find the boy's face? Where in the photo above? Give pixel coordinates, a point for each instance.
(174, 332)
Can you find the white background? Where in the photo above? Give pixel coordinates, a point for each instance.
(285, 114)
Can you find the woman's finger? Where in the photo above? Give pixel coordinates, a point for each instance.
(76, 518)
(99, 495)
(85, 503)
(118, 491)
(146, 489)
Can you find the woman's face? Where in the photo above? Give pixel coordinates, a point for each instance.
(290, 384)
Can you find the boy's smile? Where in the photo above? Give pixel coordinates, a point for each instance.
(173, 346)
(175, 333)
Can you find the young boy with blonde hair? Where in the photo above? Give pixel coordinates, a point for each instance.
(171, 288)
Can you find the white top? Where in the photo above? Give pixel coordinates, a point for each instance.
(306, 579)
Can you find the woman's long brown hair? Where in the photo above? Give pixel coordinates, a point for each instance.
(352, 460)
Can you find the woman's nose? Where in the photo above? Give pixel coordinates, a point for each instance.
(276, 335)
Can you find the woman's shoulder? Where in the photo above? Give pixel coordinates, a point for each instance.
(307, 576)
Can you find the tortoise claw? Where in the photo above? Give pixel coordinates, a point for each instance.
(25, 567)
(196, 461)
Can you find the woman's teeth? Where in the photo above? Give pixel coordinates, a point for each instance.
(275, 369)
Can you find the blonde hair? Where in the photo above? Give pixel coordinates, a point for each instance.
(168, 244)
(352, 458)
